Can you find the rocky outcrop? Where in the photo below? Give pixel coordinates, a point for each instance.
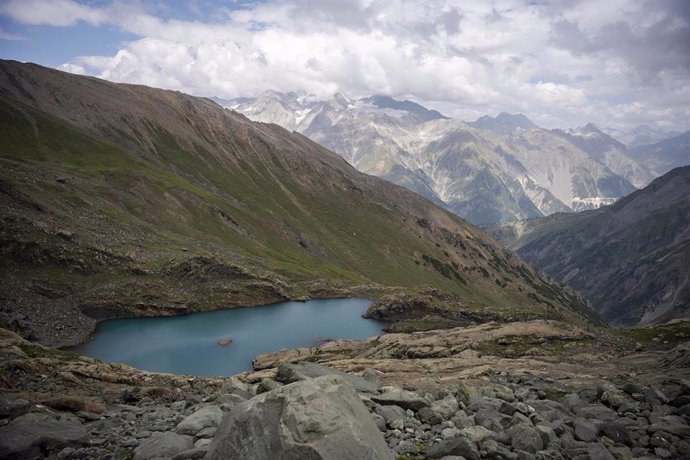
(320, 418)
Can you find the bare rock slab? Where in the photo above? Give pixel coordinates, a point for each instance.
(318, 418)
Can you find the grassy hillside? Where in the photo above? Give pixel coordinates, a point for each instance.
(127, 200)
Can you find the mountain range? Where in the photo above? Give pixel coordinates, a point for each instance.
(640, 135)
(121, 200)
(663, 156)
(494, 169)
(630, 259)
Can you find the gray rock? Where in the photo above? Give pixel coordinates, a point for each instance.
(207, 432)
(507, 409)
(476, 433)
(671, 424)
(596, 411)
(655, 396)
(597, 451)
(235, 386)
(445, 407)
(662, 453)
(290, 373)
(266, 385)
(448, 433)
(617, 432)
(393, 415)
(13, 408)
(456, 446)
(380, 422)
(317, 418)
(466, 393)
(492, 449)
(163, 445)
(66, 452)
(203, 443)
(485, 403)
(680, 401)
(129, 442)
(427, 415)
(519, 419)
(547, 434)
(632, 388)
(525, 437)
(490, 419)
(209, 416)
(523, 455)
(585, 430)
(462, 420)
(683, 410)
(372, 375)
(503, 392)
(191, 454)
(407, 447)
(403, 398)
(621, 452)
(613, 398)
(27, 435)
(230, 398)
(192, 399)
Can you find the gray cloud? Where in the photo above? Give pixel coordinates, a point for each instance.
(561, 62)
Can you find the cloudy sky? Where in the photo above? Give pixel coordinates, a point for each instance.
(617, 63)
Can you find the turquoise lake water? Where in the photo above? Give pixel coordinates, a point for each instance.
(189, 344)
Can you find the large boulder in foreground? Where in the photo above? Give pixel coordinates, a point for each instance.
(314, 419)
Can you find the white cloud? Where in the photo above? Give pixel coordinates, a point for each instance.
(563, 63)
(51, 12)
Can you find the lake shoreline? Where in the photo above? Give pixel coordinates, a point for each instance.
(74, 324)
(173, 344)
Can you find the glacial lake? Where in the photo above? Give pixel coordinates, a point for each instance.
(189, 344)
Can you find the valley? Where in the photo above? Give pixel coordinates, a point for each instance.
(629, 259)
(121, 200)
(142, 205)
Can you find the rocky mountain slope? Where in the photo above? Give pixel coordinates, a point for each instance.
(127, 200)
(503, 123)
(663, 156)
(491, 170)
(608, 151)
(629, 259)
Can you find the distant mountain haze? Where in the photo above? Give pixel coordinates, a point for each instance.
(663, 156)
(640, 135)
(495, 169)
